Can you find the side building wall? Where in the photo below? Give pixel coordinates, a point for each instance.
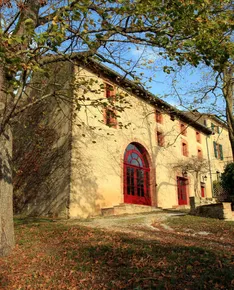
(42, 143)
(219, 156)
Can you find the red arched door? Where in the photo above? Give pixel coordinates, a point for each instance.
(136, 175)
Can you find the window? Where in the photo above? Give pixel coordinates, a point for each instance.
(199, 153)
(184, 148)
(218, 150)
(183, 129)
(172, 117)
(205, 123)
(159, 117)
(110, 113)
(160, 139)
(110, 118)
(109, 91)
(198, 137)
(215, 128)
(212, 127)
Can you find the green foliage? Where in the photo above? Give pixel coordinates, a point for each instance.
(184, 31)
(227, 178)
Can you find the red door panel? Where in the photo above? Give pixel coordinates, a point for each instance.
(202, 191)
(182, 191)
(136, 177)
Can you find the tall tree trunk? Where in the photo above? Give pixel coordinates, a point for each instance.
(6, 187)
(29, 12)
(228, 95)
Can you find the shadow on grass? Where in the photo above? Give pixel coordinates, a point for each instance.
(130, 263)
(77, 257)
(31, 220)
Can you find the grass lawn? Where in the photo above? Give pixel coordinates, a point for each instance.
(52, 255)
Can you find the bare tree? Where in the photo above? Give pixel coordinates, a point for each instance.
(195, 166)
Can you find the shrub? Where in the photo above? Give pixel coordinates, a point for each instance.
(227, 179)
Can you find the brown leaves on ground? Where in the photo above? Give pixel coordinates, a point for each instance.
(51, 255)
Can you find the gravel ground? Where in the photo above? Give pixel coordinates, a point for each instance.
(138, 224)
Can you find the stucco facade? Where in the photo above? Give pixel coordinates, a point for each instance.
(166, 139)
(98, 152)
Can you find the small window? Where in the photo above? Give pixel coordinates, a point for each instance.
(205, 123)
(184, 148)
(159, 117)
(110, 117)
(215, 128)
(109, 112)
(172, 117)
(199, 153)
(218, 150)
(160, 139)
(198, 137)
(212, 127)
(183, 129)
(109, 91)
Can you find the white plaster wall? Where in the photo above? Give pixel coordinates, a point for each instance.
(223, 139)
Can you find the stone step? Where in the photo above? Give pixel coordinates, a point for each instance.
(181, 207)
(128, 209)
(107, 211)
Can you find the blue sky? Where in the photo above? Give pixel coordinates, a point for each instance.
(177, 87)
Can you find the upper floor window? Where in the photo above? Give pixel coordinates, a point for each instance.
(215, 128)
(110, 118)
(159, 117)
(160, 139)
(212, 127)
(110, 112)
(218, 150)
(205, 123)
(184, 148)
(109, 91)
(198, 137)
(183, 129)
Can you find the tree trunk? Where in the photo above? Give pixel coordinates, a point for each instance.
(228, 95)
(30, 11)
(196, 184)
(6, 198)
(6, 187)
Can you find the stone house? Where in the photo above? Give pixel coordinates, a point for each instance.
(102, 144)
(218, 147)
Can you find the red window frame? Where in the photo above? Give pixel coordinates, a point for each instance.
(184, 146)
(110, 117)
(160, 139)
(158, 117)
(183, 129)
(198, 137)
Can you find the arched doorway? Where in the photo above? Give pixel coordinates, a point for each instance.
(136, 175)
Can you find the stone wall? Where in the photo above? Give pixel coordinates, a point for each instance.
(41, 146)
(222, 210)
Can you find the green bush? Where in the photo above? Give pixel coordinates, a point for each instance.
(227, 179)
